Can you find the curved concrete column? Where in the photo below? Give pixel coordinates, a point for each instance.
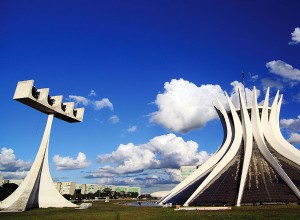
(37, 189)
(48, 194)
(248, 142)
(286, 149)
(265, 151)
(230, 154)
(24, 196)
(211, 162)
(270, 132)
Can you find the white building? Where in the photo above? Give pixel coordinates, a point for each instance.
(185, 171)
(255, 164)
(67, 188)
(89, 188)
(1, 180)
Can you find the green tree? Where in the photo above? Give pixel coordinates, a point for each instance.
(6, 189)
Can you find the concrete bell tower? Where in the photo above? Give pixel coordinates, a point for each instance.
(37, 190)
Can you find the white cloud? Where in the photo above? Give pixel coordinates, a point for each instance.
(253, 78)
(92, 93)
(246, 92)
(267, 82)
(174, 174)
(14, 175)
(165, 151)
(98, 105)
(102, 104)
(294, 138)
(296, 98)
(79, 100)
(184, 106)
(295, 36)
(114, 119)
(132, 129)
(68, 163)
(166, 178)
(292, 125)
(9, 162)
(284, 70)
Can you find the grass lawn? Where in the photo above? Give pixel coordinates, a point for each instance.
(114, 210)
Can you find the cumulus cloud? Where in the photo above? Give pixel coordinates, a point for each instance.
(294, 138)
(174, 174)
(253, 78)
(165, 151)
(9, 162)
(132, 129)
(92, 93)
(292, 125)
(296, 98)
(284, 70)
(267, 82)
(103, 103)
(183, 106)
(79, 100)
(295, 36)
(114, 119)
(68, 163)
(14, 175)
(97, 104)
(160, 178)
(246, 92)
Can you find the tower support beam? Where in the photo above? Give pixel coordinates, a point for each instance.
(37, 190)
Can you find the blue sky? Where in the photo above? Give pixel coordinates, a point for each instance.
(147, 73)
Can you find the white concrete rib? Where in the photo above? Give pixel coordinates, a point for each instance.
(230, 154)
(248, 142)
(285, 148)
(273, 134)
(37, 189)
(210, 163)
(19, 199)
(263, 148)
(49, 196)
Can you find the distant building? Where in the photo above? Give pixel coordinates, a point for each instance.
(128, 189)
(57, 186)
(89, 188)
(159, 194)
(134, 190)
(67, 188)
(111, 187)
(121, 189)
(1, 180)
(18, 182)
(185, 171)
(70, 187)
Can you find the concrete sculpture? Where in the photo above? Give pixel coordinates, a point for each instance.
(254, 165)
(37, 190)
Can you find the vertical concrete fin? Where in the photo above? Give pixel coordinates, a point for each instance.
(283, 146)
(22, 197)
(210, 163)
(230, 154)
(263, 148)
(248, 142)
(48, 194)
(272, 133)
